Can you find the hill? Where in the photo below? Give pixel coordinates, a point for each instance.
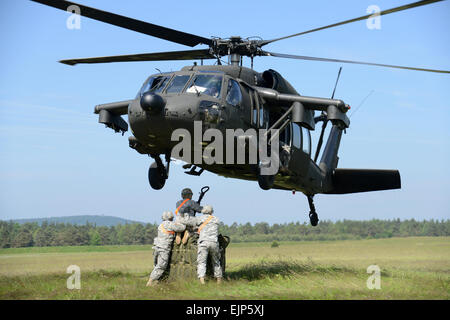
(107, 221)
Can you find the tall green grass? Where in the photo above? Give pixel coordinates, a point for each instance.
(414, 268)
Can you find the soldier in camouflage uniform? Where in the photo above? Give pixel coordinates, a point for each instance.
(208, 243)
(162, 245)
(186, 208)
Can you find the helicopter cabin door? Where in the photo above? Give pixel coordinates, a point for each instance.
(235, 99)
(300, 149)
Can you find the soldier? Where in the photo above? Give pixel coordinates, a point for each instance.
(186, 208)
(208, 243)
(162, 245)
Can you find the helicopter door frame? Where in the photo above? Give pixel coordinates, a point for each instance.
(299, 159)
(255, 112)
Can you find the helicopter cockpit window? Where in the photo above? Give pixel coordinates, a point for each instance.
(177, 84)
(206, 84)
(234, 94)
(155, 84)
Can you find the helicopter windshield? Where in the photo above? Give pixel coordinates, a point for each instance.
(177, 84)
(154, 84)
(206, 84)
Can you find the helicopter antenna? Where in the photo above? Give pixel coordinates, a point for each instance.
(158, 70)
(323, 117)
(335, 85)
(363, 100)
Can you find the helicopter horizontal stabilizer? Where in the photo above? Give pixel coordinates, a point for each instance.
(364, 180)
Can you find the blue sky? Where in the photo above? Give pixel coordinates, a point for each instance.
(56, 160)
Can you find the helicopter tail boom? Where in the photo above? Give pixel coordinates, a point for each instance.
(363, 180)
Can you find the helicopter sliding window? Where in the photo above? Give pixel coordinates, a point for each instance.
(306, 140)
(234, 94)
(206, 84)
(259, 116)
(263, 117)
(253, 104)
(177, 84)
(285, 136)
(296, 136)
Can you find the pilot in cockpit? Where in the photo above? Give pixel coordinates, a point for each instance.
(214, 89)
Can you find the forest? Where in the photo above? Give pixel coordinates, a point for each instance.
(13, 234)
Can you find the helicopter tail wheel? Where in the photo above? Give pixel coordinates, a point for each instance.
(157, 176)
(313, 217)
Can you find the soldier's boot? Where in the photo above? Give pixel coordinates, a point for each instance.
(178, 238)
(185, 237)
(151, 283)
(202, 280)
(219, 280)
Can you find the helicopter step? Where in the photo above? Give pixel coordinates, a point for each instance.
(265, 181)
(158, 173)
(313, 217)
(193, 171)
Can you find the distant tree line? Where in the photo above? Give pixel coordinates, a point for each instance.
(13, 235)
(340, 230)
(59, 234)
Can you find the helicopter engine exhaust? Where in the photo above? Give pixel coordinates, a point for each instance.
(152, 103)
(274, 80)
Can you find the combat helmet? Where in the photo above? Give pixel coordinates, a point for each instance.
(167, 216)
(207, 209)
(186, 192)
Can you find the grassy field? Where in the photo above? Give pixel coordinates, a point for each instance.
(411, 268)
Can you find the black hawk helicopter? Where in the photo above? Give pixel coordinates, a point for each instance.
(236, 97)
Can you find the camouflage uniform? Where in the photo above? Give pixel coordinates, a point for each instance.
(162, 244)
(189, 208)
(208, 242)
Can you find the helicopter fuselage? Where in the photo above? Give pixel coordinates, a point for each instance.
(233, 104)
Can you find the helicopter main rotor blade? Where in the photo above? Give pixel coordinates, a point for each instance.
(384, 12)
(130, 23)
(157, 56)
(290, 56)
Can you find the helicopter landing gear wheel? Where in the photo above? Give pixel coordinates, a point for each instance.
(313, 217)
(156, 176)
(158, 173)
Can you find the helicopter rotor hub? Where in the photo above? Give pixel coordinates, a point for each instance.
(235, 45)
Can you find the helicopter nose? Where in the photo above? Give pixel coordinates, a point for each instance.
(152, 102)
